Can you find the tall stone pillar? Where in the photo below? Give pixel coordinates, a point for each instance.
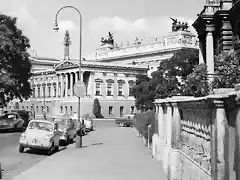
(66, 85)
(161, 131)
(52, 89)
(237, 142)
(57, 86)
(201, 52)
(210, 51)
(62, 86)
(71, 84)
(177, 127)
(220, 142)
(168, 142)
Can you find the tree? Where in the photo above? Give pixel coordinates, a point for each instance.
(196, 83)
(14, 61)
(97, 109)
(227, 70)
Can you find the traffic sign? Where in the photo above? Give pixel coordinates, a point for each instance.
(79, 89)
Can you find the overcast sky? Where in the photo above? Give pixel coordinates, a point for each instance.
(125, 18)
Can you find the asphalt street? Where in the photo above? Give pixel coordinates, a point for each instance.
(14, 162)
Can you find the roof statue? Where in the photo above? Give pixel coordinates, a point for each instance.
(179, 26)
(109, 40)
(137, 41)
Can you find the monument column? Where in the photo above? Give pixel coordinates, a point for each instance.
(210, 50)
(71, 84)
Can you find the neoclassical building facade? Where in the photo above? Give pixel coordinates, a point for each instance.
(108, 76)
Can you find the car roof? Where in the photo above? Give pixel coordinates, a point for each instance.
(41, 120)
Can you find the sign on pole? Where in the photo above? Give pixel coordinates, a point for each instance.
(79, 89)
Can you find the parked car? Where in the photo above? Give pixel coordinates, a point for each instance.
(67, 129)
(11, 121)
(126, 120)
(27, 116)
(40, 134)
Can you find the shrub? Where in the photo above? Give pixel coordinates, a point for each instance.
(97, 109)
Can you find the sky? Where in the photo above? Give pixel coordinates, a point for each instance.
(126, 19)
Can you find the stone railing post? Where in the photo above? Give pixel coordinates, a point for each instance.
(160, 122)
(220, 140)
(237, 141)
(168, 142)
(176, 139)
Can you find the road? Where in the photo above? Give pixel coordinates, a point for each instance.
(14, 162)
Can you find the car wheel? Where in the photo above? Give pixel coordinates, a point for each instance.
(21, 149)
(50, 150)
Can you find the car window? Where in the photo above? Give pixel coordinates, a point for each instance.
(45, 126)
(9, 116)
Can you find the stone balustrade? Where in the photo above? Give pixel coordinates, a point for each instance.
(197, 138)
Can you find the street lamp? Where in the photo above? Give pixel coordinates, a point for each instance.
(56, 28)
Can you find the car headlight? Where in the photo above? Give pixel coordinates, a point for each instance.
(23, 136)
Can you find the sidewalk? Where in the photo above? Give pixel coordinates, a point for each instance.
(111, 154)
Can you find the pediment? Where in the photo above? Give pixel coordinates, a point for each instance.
(66, 65)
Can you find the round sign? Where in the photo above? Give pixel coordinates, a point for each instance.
(79, 89)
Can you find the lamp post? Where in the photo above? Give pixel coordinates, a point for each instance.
(56, 28)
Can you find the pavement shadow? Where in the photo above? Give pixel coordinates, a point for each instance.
(41, 152)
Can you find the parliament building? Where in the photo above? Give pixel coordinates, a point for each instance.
(108, 75)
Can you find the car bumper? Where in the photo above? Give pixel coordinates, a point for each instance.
(36, 146)
(63, 138)
(6, 128)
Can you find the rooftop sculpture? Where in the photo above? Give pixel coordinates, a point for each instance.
(179, 26)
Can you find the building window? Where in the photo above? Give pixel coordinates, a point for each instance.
(120, 89)
(55, 91)
(121, 111)
(27, 107)
(42, 108)
(98, 89)
(36, 108)
(110, 110)
(61, 109)
(109, 89)
(49, 91)
(66, 109)
(132, 109)
(9, 107)
(47, 109)
(39, 92)
(71, 110)
(22, 107)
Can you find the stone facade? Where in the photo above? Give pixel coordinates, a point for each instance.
(214, 31)
(197, 138)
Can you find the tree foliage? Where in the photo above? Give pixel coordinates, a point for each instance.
(14, 61)
(97, 109)
(196, 83)
(173, 77)
(227, 70)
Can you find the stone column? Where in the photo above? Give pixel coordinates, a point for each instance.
(201, 52)
(91, 84)
(57, 85)
(210, 51)
(177, 127)
(62, 86)
(160, 122)
(220, 142)
(168, 141)
(115, 86)
(66, 85)
(71, 84)
(237, 142)
(52, 89)
(76, 77)
(126, 89)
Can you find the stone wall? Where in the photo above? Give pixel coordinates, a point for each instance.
(198, 138)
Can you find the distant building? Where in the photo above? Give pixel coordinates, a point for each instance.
(108, 76)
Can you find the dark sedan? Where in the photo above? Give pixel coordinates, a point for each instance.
(126, 120)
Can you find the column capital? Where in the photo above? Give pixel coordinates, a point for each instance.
(174, 104)
(210, 28)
